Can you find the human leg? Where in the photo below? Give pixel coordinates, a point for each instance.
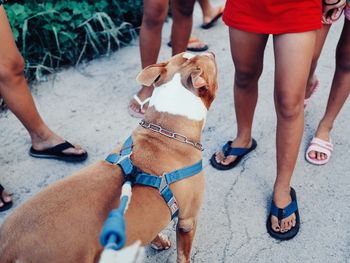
(247, 50)
(340, 90)
(312, 82)
(15, 92)
(293, 56)
(155, 13)
(182, 24)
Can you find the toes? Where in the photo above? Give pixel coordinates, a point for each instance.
(294, 220)
(228, 160)
(312, 154)
(318, 156)
(219, 157)
(77, 149)
(274, 224)
(5, 197)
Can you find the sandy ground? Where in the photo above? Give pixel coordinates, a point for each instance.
(88, 105)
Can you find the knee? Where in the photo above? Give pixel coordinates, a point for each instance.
(186, 226)
(245, 78)
(185, 7)
(11, 67)
(343, 61)
(155, 15)
(289, 108)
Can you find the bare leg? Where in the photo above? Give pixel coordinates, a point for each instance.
(293, 55)
(247, 50)
(182, 24)
(185, 232)
(320, 40)
(15, 92)
(155, 12)
(209, 12)
(339, 91)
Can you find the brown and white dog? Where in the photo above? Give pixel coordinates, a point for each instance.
(63, 222)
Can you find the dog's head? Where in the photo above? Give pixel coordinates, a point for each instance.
(185, 83)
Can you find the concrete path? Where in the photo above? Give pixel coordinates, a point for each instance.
(88, 105)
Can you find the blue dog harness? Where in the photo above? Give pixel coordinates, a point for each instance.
(137, 176)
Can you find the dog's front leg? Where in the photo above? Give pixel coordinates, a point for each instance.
(185, 230)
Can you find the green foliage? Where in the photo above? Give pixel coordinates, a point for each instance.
(53, 33)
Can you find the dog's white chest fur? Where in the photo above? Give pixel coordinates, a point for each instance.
(172, 97)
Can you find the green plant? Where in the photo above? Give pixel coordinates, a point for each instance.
(54, 33)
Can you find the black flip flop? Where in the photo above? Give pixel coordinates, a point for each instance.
(228, 150)
(284, 213)
(57, 153)
(215, 18)
(194, 49)
(7, 205)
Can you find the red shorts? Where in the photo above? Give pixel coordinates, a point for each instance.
(273, 16)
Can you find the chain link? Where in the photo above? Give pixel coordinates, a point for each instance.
(169, 134)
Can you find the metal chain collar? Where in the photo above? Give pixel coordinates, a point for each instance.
(169, 134)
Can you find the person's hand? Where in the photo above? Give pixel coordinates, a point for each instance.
(332, 10)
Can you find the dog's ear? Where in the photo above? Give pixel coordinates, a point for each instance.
(151, 74)
(197, 78)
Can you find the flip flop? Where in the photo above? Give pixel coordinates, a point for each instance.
(313, 89)
(57, 153)
(321, 146)
(214, 19)
(7, 205)
(138, 114)
(194, 40)
(228, 150)
(282, 213)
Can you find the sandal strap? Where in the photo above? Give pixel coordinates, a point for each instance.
(282, 213)
(322, 143)
(1, 189)
(59, 148)
(236, 151)
(140, 102)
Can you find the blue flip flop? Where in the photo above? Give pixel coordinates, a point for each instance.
(282, 213)
(228, 150)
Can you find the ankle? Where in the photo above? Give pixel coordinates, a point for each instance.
(281, 194)
(40, 135)
(244, 137)
(325, 126)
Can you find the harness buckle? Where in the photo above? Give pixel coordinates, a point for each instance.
(123, 157)
(163, 183)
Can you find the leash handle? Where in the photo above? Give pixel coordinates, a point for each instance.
(125, 196)
(113, 232)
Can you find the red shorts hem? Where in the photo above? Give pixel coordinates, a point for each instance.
(271, 30)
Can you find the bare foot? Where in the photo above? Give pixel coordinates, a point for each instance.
(282, 199)
(161, 242)
(238, 142)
